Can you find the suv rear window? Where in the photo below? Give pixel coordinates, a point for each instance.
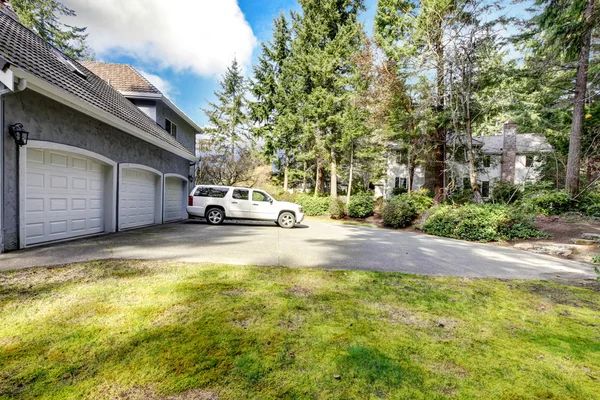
(211, 192)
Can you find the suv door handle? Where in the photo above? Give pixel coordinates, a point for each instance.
(234, 202)
(254, 204)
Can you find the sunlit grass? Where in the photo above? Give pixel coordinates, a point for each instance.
(150, 330)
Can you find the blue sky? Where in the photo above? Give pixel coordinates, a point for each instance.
(188, 88)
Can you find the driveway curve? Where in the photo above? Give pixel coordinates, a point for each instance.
(314, 244)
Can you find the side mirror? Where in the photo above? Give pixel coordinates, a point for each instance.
(271, 201)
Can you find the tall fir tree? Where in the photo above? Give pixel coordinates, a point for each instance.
(43, 17)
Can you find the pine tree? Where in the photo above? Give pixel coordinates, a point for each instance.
(275, 109)
(566, 27)
(43, 17)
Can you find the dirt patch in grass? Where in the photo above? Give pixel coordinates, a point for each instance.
(148, 393)
(300, 291)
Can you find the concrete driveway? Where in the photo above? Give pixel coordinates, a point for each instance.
(314, 244)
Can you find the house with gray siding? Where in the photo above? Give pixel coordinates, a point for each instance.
(509, 156)
(94, 161)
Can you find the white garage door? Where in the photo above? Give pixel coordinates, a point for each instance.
(64, 196)
(137, 198)
(174, 198)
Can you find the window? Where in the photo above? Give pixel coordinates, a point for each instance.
(170, 127)
(487, 161)
(240, 194)
(485, 189)
(529, 161)
(260, 196)
(211, 192)
(401, 183)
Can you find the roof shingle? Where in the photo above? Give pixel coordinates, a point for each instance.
(26, 51)
(122, 77)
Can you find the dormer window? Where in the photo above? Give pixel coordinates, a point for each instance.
(170, 127)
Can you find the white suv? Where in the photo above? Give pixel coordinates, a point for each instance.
(217, 203)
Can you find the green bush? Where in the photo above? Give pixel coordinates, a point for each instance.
(337, 208)
(361, 206)
(421, 199)
(399, 191)
(484, 223)
(547, 202)
(313, 206)
(398, 212)
(506, 193)
(464, 196)
(590, 204)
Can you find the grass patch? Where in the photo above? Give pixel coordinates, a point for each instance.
(161, 330)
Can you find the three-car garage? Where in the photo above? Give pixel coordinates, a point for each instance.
(69, 192)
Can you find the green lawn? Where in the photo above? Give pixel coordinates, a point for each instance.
(152, 330)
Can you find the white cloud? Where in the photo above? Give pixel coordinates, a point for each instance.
(201, 36)
(161, 84)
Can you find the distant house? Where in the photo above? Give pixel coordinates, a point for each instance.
(509, 157)
(94, 162)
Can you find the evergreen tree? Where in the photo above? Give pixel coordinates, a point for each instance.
(276, 106)
(566, 27)
(327, 35)
(43, 17)
(228, 143)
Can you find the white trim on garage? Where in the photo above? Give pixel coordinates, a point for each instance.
(158, 200)
(185, 192)
(110, 188)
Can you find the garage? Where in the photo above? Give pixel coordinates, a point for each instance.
(175, 198)
(65, 196)
(140, 197)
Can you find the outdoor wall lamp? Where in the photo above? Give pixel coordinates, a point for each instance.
(19, 134)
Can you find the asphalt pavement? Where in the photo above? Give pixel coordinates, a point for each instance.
(312, 244)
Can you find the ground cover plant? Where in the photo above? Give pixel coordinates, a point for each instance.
(150, 330)
(485, 223)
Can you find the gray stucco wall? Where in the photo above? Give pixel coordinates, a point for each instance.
(51, 121)
(185, 133)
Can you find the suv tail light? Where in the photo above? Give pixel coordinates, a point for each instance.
(190, 200)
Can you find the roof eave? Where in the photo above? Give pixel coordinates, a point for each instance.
(41, 86)
(168, 103)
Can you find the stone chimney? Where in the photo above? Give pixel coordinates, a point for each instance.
(509, 152)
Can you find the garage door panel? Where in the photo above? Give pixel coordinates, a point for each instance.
(174, 199)
(59, 201)
(137, 198)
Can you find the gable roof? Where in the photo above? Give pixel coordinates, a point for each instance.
(47, 71)
(122, 77)
(132, 84)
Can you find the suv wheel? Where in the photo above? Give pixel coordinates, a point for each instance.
(286, 220)
(215, 216)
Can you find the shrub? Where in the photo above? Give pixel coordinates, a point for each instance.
(337, 208)
(287, 196)
(313, 206)
(464, 196)
(399, 191)
(506, 193)
(590, 204)
(421, 199)
(398, 212)
(547, 202)
(361, 206)
(483, 223)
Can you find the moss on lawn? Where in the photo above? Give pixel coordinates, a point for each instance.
(153, 330)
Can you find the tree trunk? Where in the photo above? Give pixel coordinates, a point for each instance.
(285, 175)
(319, 178)
(574, 160)
(304, 179)
(440, 132)
(333, 179)
(350, 174)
